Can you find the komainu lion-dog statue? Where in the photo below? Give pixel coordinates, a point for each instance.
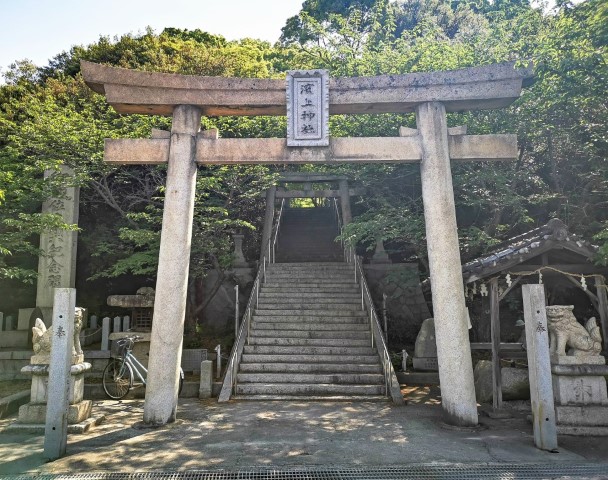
(565, 331)
(43, 338)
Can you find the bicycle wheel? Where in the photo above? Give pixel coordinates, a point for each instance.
(181, 381)
(117, 379)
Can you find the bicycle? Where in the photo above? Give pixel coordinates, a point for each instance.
(118, 375)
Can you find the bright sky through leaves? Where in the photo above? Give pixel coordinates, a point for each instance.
(38, 30)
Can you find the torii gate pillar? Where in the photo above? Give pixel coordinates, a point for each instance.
(451, 326)
(173, 263)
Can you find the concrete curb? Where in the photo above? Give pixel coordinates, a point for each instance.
(12, 403)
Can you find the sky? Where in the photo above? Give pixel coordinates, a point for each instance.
(40, 29)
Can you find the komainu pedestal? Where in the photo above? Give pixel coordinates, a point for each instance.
(33, 413)
(578, 374)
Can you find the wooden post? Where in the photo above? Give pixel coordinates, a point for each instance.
(539, 367)
(495, 333)
(602, 307)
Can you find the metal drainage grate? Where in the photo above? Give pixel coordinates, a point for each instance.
(415, 472)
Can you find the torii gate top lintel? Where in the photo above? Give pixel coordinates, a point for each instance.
(152, 93)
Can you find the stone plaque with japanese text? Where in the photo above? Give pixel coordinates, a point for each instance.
(57, 264)
(307, 108)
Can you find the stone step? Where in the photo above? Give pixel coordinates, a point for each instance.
(307, 389)
(319, 267)
(304, 350)
(318, 278)
(294, 316)
(310, 307)
(316, 296)
(335, 368)
(362, 334)
(309, 342)
(304, 327)
(326, 289)
(309, 359)
(309, 303)
(311, 264)
(312, 378)
(314, 398)
(308, 284)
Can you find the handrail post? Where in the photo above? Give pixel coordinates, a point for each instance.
(236, 312)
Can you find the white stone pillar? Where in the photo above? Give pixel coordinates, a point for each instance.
(539, 367)
(126, 323)
(173, 262)
(451, 329)
(117, 325)
(345, 202)
(56, 428)
(105, 333)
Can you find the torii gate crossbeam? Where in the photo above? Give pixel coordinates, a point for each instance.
(429, 95)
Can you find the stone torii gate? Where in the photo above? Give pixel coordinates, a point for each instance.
(429, 95)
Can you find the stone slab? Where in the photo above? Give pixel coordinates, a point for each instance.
(587, 390)
(23, 318)
(425, 363)
(38, 428)
(36, 413)
(574, 415)
(15, 339)
(577, 360)
(57, 268)
(130, 91)
(357, 149)
(587, 431)
(12, 403)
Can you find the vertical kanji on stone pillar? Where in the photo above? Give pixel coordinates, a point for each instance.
(173, 263)
(451, 326)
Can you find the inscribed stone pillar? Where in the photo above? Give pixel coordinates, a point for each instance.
(268, 219)
(345, 202)
(173, 263)
(451, 329)
(57, 268)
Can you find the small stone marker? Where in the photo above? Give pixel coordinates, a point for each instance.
(117, 325)
(2, 322)
(307, 108)
(126, 323)
(539, 367)
(56, 428)
(205, 387)
(93, 321)
(10, 323)
(105, 333)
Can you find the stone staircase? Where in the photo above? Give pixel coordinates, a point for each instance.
(307, 235)
(309, 338)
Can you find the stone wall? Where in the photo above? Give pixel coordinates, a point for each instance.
(406, 305)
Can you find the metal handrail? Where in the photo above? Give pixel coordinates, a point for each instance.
(391, 383)
(243, 336)
(393, 389)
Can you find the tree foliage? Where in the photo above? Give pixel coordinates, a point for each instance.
(49, 117)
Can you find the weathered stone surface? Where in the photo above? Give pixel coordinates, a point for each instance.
(173, 264)
(380, 255)
(565, 331)
(451, 326)
(144, 298)
(239, 258)
(206, 384)
(588, 416)
(57, 268)
(515, 382)
(358, 149)
(129, 91)
(580, 390)
(307, 101)
(36, 413)
(426, 345)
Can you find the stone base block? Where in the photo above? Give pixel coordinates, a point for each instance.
(428, 364)
(38, 428)
(36, 413)
(582, 416)
(577, 359)
(574, 390)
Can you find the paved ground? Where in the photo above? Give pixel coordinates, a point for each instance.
(241, 434)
